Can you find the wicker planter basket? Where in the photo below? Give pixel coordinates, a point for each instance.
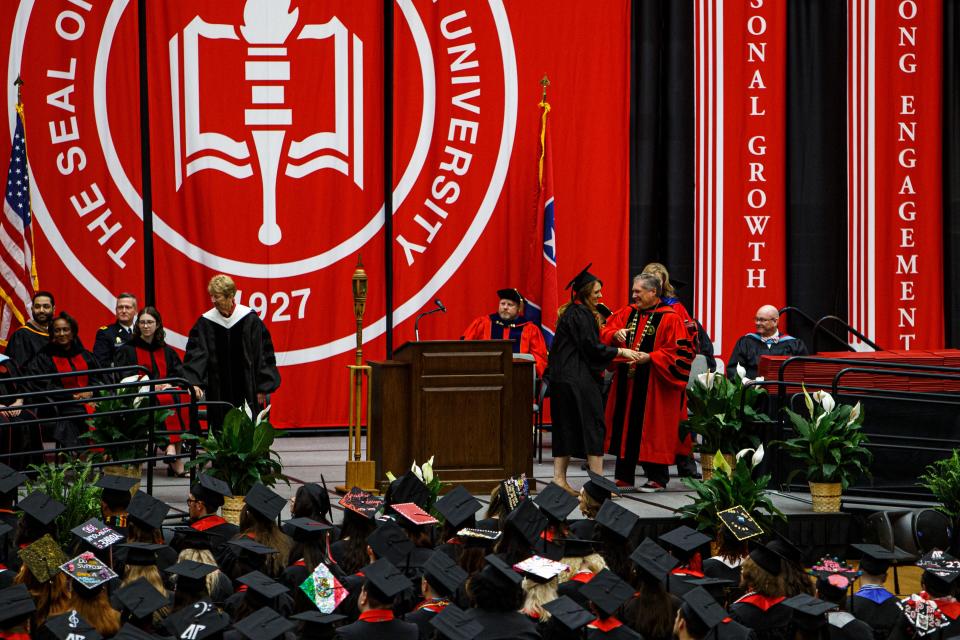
(826, 496)
(125, 471)
(232, 506)
(706, 463)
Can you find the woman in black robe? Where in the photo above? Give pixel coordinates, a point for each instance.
(65, 354)
(14, 437)
(574, 370)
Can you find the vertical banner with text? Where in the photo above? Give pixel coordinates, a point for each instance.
(740, 66)
(894, 111)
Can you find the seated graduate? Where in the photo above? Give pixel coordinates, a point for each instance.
(41, 574)
(651, 611)
(382, 583)
(766, 341)
(556, 504)
(540, 582)
(684, 544)
(872, 602)
(933, 612)
(442, 577)
(115, 500)
(607, 594)
(200, 617)
(16, 610)
(700, 616)
(10, 482)
(509, 323)
(311, 548)
(833, 583)
(521, 533)
(263, 624)
(761, 608)
(616, 531)
(257, 590)
(497, 596)
(458, 508)
(190, 583)
(313, 502)
(141, 605)
(583, 561)
(258, 521)
(206, 498)
(594, 493)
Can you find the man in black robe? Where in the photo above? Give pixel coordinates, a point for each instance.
(35, 334)
(767, 341)
(229, 355)
(111, 337)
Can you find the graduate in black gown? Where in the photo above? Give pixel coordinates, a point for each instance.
(34, 335)
(872, 602)
(229, 354)
(16, 437)
(383, 582)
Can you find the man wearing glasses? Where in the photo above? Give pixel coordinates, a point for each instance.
(766, 341)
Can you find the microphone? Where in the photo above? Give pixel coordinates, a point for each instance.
(440, 304)
(416, 323)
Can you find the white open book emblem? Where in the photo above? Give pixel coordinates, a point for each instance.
(267, 26)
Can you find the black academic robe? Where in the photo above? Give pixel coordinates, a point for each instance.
(378, 625)
(930, 619)
(231, 359)
(70, 419)
(108, 341)
(160, 359)
(423, 613)
(878, 608)
(25, 343)
(219, 530)
(9, 557)
(768, 617)
(574, 369)
(844, 626)
(14, 437)
(511, 625)
(748, 349)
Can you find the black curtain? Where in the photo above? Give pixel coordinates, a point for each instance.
(661, 140)
(951, 169)
(816, 180)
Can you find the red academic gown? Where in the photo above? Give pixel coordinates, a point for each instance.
(526, 336)
(666, 374)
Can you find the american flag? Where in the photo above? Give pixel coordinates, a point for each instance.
(18, 271)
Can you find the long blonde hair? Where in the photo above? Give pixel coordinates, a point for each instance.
(266, 532)
(151, 574)
(95, 608)
(582, 295)
(537, 594)
(204, 556)
(594, 563)
(661, 272)
(51, 598)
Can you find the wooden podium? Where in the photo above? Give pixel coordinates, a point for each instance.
(465, 402)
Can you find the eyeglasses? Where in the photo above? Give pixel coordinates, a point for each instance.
(192, 500)
(765, 319)
(146, 323)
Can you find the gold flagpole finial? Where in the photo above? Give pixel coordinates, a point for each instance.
(544, 82)
(19, 84)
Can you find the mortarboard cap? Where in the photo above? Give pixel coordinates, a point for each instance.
(452, 623)
(211, 491)
(96, 534)
(808, 611)
(653, 560)
(600, 488)
(582, 279)
(139, 599)
(305, 529)
(411, 515)
(391, 542)
(766, 559)
(583, 529)
(147, 510)
(457, 507)
(604, 311)
(362, 503)
(781, 546)
(443, 569)
(513, 491)
(527, 520)
(262, 584)
(117, 484)
(510, 294)
(684, 539)
(141, 554)
(478, 537)
(267, 503)
(16, 602)
(244, 544)
(698, 603)
(940, 569)
(10, 478)
(568, 613)
(323, 589)
(190, 538)
(408, 488)
(554, 501)
(202, 618)
(577, 547)
(616, 519)
(41, 507)
(607, 592)
(88, 570)
(540, 569)
(43, 558)
(833, 577)
(877, 560)
(191, 574)
(131, 632)
(386, 578)
(264, 624)
(740, 523)
(316, 622)
(67, 626)
(501, 572)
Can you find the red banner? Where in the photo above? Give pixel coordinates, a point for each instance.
(895, 173)
(266, 155)
(740, 64)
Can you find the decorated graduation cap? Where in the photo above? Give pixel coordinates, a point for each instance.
(386, 579)
(453, 624)
(15, 602)
(96, 534)
(740, 523)
(362, 503)
(554, 501)
(527, 520)
(202, 619)
(147, 511)
(940, 569)
(478, 537)
(568, 613)
(10, 479)
(441, 570)
(211, 491)
(833, 576)
(510, 294)
(458, 506)
(262, 585)
(684, 540)
(88, 570)
(408, 488)
(616, 519)
(411, 515)
(808, 612)
(391, 542)
(607, 591)
(702, 608)
(41, 507)
(190, 574)
(600, 488)
(653, 560)
(43, 558)
(139, 599)
(67, 626)
(141, 554)
(264, 624)
(513, 491)
(265, 502)
(116, 487)
(501, 572)
(582, 279)
(877, 559)
(323, 589)
(305, 529)
(540, 569)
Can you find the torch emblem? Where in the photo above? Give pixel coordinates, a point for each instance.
(267, 27)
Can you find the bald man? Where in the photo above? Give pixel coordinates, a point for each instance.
(766, 341)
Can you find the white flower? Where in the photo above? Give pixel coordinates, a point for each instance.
(263, 415)
(416, 470)
(743, 452)
(720, 464)
(758, 379)
(427, 469)
(246, 410)
(741, 371)
(757, 456)
(706, 379)
(825, 399)
(854, 414)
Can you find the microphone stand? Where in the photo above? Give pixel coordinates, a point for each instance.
(416, 323)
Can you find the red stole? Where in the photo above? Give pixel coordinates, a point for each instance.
(376, 615)
(208, 522)
(151, 361)
(760, 601)
(606, 624)
(69, 364)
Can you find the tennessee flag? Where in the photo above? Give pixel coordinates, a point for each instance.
(549, 296)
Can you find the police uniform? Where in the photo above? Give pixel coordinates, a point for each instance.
(110, 338)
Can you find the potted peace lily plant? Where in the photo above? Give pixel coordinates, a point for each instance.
(942, 479)
(721, 412)
(731, 485)
(240, 454)
(830, 446)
